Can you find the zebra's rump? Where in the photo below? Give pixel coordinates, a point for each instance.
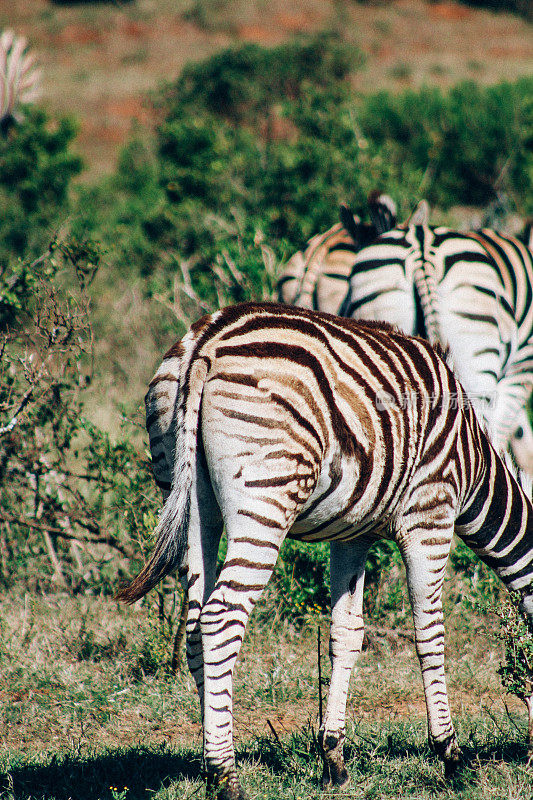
(319, 420)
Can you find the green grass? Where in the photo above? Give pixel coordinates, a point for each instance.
(85, 713)
(383, 761)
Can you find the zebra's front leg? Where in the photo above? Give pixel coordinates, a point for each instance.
(425, 552)
(346, 639)
(250, 559)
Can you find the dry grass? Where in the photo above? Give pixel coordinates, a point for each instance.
(77, 671)
(84, 714)
(99, 61)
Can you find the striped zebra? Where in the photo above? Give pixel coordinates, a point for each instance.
(19, 79)
(471, 292)
(275, 421)
(318, 278)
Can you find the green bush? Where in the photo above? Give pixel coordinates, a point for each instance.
(512, 6)
(301, 580)
(516, 669)
(266, 143)
(254, 144)
(244, 84)
(470, 142)
(36, 168)
(70, 497)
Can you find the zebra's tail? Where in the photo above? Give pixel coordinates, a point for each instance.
(172, 528)
(428, 312)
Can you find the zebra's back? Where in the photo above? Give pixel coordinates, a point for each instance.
(327, 402)
(471, 292)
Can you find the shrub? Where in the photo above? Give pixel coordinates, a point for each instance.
(244, 84)
(36, 168)
(477, 585)
(253, 143)
(516, 669)
(272, 140)
(69, 496)
(301, 580)
(470, 142)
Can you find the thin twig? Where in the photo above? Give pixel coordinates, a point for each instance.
(511, 720)
(493, 718)
(14, 420)
(61, 532)
(56, 564)
(180, 636)
(275, 735)
(319, 658)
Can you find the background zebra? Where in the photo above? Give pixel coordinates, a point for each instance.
(318, 278)
(471, 292)
(276, 421)
(20, 79)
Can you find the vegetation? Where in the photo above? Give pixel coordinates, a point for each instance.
(516, 669)
(37, 166)
(254, 150)
(261, 146)
(84, 715)
(513, 6)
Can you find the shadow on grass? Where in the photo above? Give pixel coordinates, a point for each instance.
(144, 771)
(510, 751)
(495, 747)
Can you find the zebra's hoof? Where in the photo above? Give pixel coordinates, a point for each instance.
(335, 774)
(224, 788)
(451, 765)
(450, 753)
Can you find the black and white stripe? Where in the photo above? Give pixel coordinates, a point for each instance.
(470, 292)
(274, 421)
(318, 278)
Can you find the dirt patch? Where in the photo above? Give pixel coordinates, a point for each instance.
(100, 61)
(451, 11)
(78, 34)
(259, 34)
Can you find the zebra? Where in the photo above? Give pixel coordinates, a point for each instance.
(275, 421)
(473, 293)
(318, 278)
(19, 79)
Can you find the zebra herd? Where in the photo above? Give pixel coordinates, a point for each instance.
(471, 292)
(271, 420)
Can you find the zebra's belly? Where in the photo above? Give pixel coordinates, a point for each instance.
(340, 509)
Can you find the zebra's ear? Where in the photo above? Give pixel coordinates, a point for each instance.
(351, 223)
(383, 212)
(420, 215)
(527, 234)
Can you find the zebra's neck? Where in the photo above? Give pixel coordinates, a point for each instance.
(497, 523)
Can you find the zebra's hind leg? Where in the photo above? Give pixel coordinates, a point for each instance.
(198, 575)
(425, 548)
(253, 546)
(346, 639)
